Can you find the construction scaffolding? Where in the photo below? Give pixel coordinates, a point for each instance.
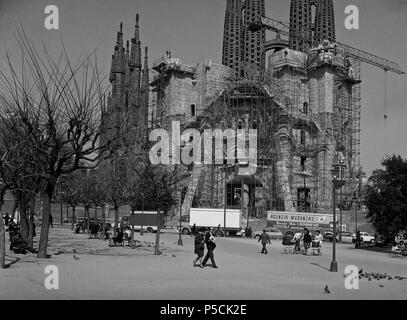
(307, 114)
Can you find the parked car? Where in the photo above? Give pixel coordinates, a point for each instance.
(382, 241)
(274, 233)
(366, 237)
(328, 236)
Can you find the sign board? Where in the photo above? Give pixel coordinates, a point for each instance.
(298, 220)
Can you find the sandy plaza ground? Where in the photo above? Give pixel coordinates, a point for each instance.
(90, 269)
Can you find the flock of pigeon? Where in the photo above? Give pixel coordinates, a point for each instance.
(372, 276)
(378, 276)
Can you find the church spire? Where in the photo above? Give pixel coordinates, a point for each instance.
(135, 56)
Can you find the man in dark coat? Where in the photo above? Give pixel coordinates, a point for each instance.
(210, 246)
(358, 240)
(307, 241)
(199, 248)
(264, 238)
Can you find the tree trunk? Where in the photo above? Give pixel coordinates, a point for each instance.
(157, 237)
(73, 218)
(46, 212)
(24, 218)
(47, 195)
(2, 233)
(87, 219)
(103, 219)
(116, 220)
(30, 239)
(132, 228)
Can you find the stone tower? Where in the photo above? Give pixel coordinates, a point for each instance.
(254, 42)
(232, 53)
(300, 24)
(125, 114)
(324, 21)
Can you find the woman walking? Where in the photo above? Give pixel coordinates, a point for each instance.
(307, 241)
(199, 249)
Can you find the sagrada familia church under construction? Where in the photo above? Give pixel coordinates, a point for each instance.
(301, 92)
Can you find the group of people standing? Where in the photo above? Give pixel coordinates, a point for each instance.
(306, 239)
(200, 240)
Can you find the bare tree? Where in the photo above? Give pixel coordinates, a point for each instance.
(58, 105)
(17, 174)
(160, 186)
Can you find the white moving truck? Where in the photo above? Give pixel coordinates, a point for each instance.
(205, 219)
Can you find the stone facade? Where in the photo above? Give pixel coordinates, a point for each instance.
(302, 108)
(300, 113)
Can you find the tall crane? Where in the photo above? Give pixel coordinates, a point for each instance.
(282, 29)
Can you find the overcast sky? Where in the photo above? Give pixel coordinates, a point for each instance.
(192, 30)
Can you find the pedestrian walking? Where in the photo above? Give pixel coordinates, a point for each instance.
(193, 230)
(319, 239)
(307, 240)
(358, 240)
(264, 238)
(219, 232)
(51, 221)
(210, 246)
(199, 248)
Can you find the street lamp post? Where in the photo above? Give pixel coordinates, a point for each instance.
(61, 199)
(338, 172)
(180, 222)
(180, 207)
(142, 215)
(225, 200)
(340, 217)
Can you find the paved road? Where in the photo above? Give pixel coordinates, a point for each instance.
(100, 272)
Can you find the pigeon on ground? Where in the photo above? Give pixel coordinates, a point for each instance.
(381, 285)
(174, 256)
(326, 290)
(76, 258)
